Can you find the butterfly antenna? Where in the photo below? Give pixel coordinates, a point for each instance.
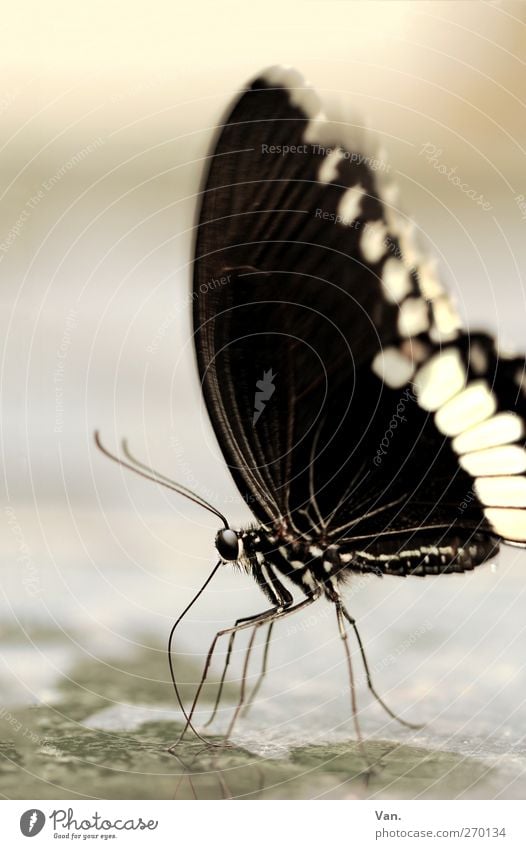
(145, 472)
(196, 500)
(159, 475)
(188, 717)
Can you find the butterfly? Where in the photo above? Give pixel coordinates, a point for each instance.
(366, 429)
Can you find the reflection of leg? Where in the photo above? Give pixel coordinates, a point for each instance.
(247, 624)
(378, 698)
(270, 619)
(262, 674)
(187, 773)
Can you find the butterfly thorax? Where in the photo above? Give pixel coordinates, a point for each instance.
(312, 565)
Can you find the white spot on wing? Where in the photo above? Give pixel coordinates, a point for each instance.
(301, 93)
(429, 281)
(328, 170)
(282, 76)
(440, 379)
(396, 281)
(372, 241)
(413, 317)
(307, 100)
(502, 460)
(392, 367)
(508, 523)
(407, 241)
(499, 430)
(472, 405)
(389, 195)
(446, 320)
(502, 491)
(351, 203)
(505, 349)
(396, 222)
(316, 129)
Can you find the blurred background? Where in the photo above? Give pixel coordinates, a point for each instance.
(107, 114)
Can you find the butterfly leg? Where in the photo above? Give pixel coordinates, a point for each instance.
(254, 621)
(246, 623)
(257, 686)
(264, 668)
(278, 596)
(285, 600)
(223, 675)
(370, 685)
(225, 668)
(278, 614)
(354, 705)
(345, 638)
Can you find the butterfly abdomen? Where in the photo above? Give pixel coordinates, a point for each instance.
(318, 568)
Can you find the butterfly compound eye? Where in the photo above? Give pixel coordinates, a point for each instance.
(227, 544)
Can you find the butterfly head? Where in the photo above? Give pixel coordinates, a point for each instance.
(228, 544)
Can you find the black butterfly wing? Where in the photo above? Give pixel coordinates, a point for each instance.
(274, 282)
(314, 315)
